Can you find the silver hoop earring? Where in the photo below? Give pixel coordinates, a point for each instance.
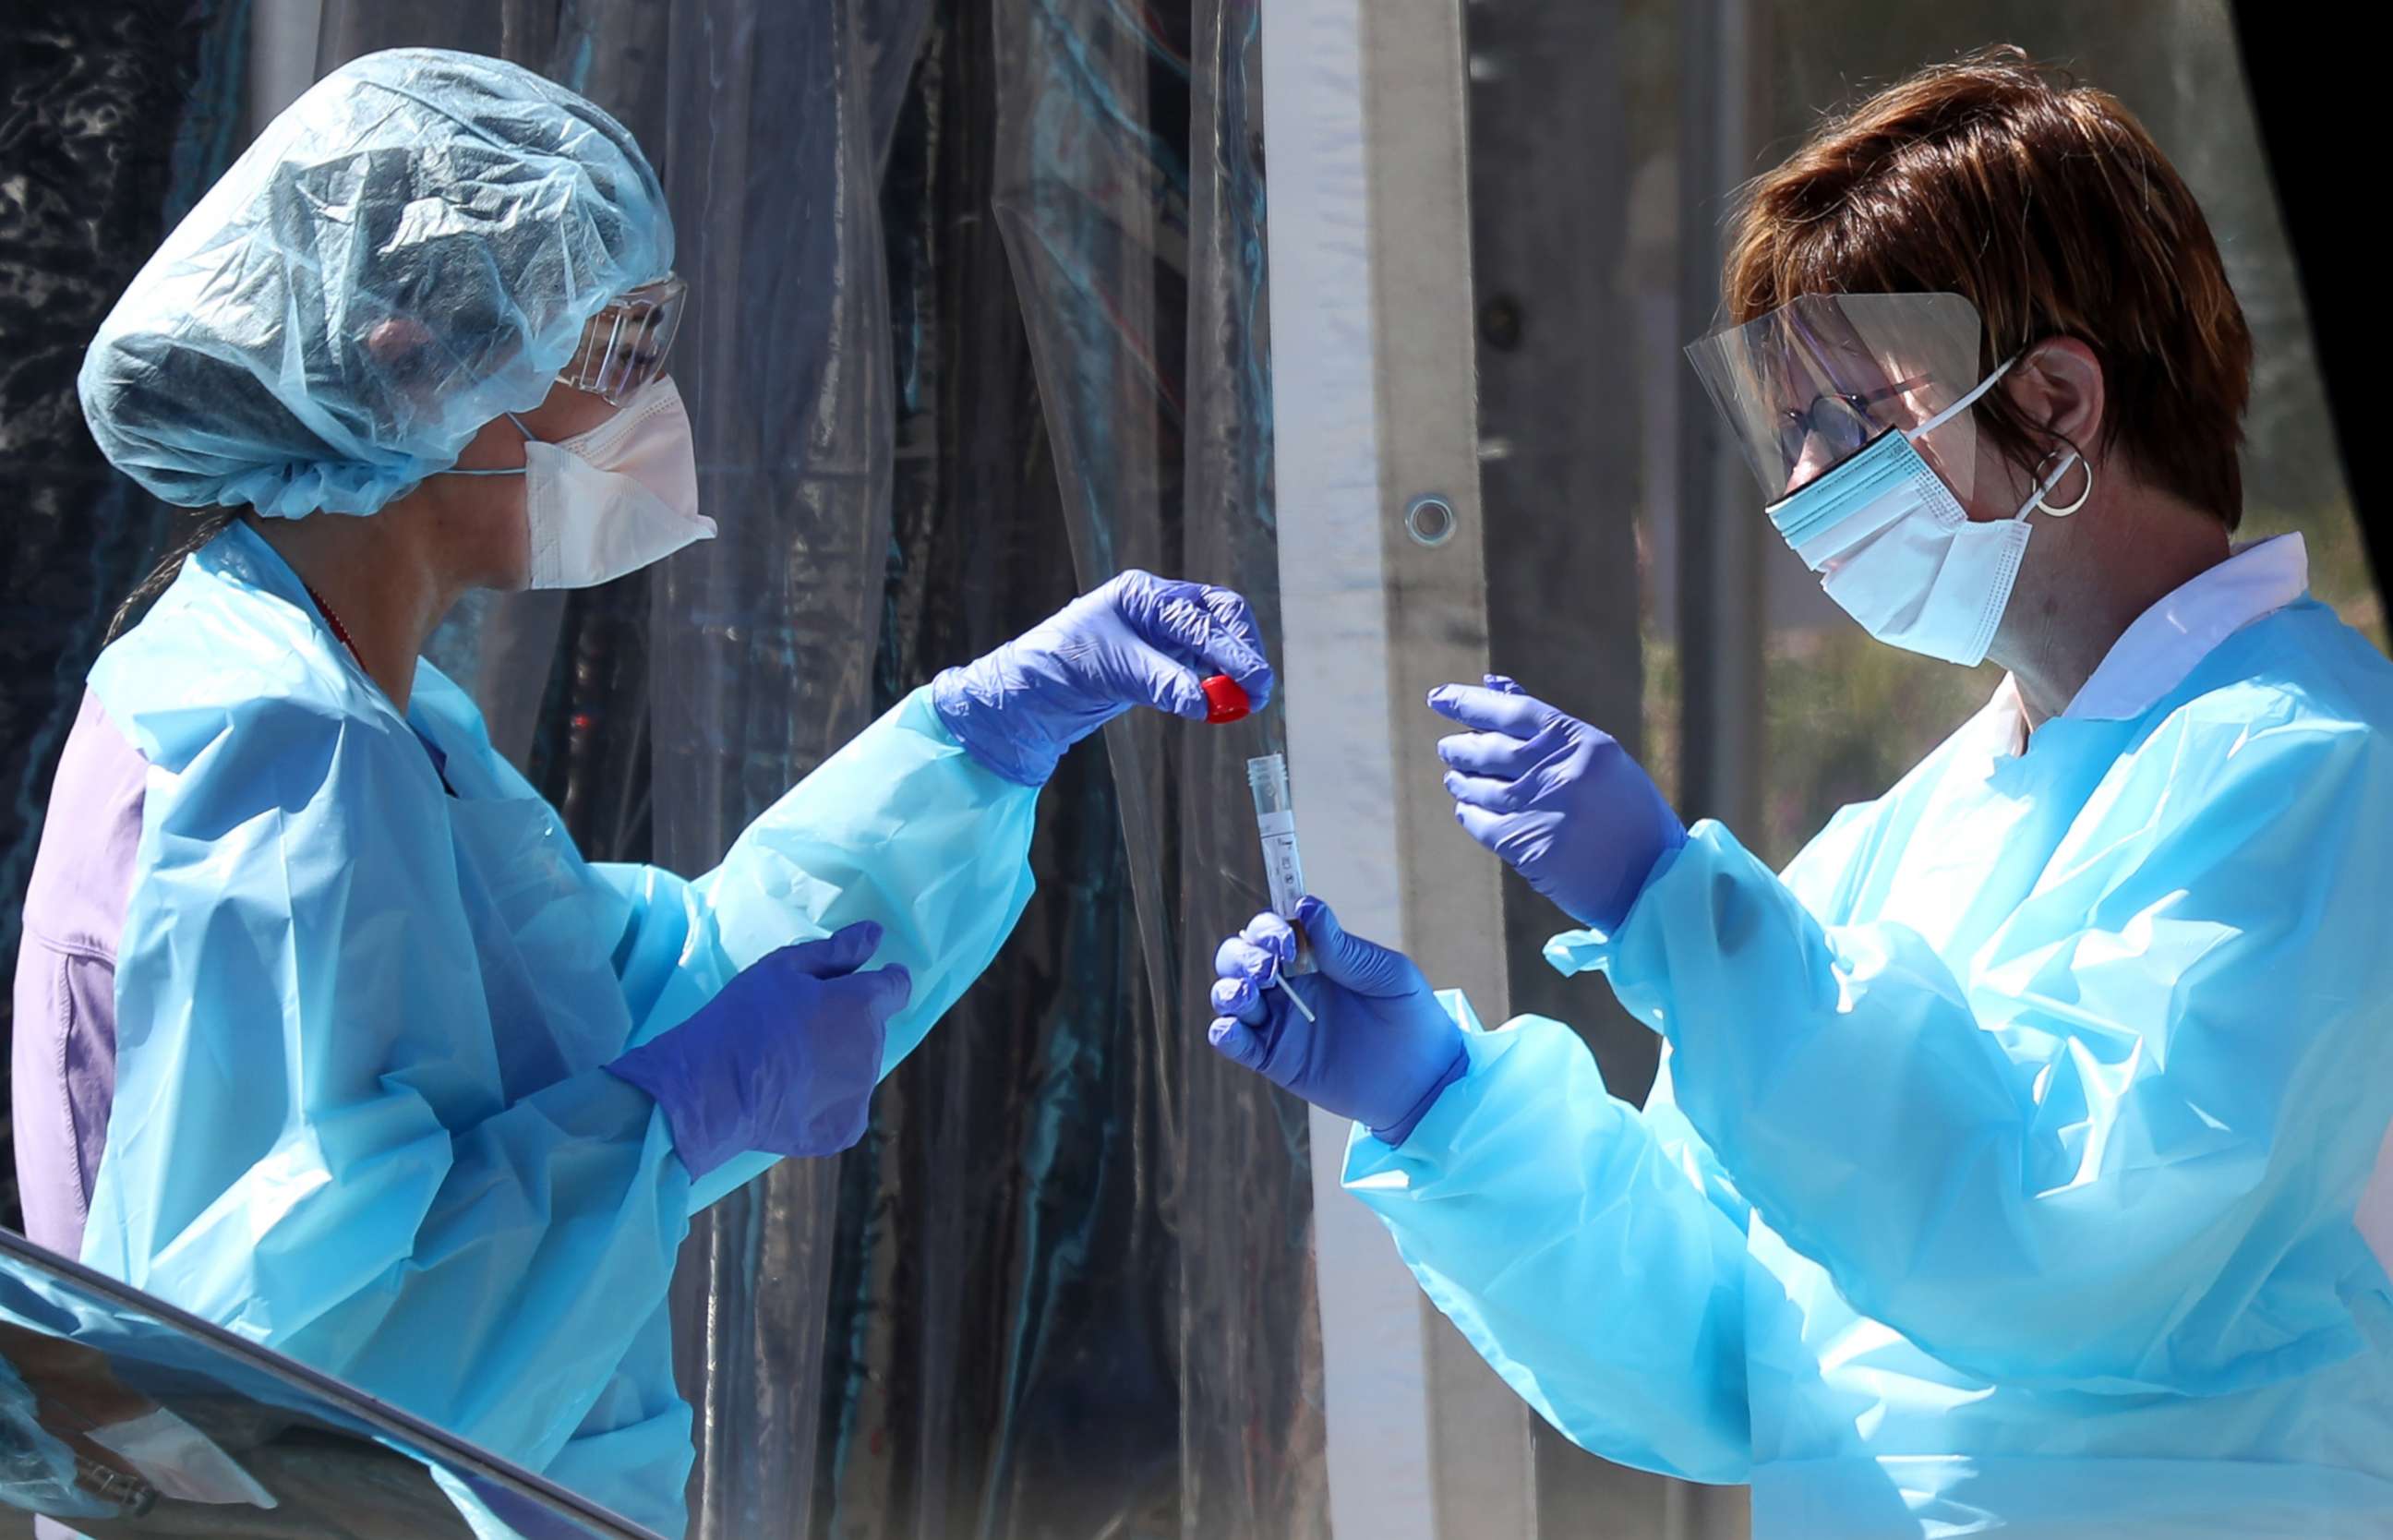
(2040, 498)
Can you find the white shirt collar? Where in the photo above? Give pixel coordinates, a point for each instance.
(2168, 641)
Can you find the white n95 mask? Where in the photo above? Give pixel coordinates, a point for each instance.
(1897, 550)
(613, 499)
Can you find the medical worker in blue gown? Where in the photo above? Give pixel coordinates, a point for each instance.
(2019, 1158)
(327, 1032)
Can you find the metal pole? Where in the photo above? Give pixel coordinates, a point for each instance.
(1723, 618)
(1562, 403)
(1721, 623)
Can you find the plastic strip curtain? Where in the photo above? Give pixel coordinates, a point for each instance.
(768, 123)
(1142, 275)
(1073, 1294)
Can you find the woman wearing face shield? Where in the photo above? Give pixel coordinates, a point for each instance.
(327, 1032)
(2018, 1161)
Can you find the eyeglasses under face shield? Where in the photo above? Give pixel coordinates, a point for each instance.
(1805, 387)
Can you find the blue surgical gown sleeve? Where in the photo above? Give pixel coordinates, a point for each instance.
(307, 1143)
(2118, 1147)
(902, 827)
(1597, 1267)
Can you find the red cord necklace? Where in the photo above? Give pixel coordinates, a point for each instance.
(440, 761)
(334, 621)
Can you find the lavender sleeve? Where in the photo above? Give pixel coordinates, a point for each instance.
(64, 1052)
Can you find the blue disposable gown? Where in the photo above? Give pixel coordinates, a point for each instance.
(360, 1115)
(2002, 1171)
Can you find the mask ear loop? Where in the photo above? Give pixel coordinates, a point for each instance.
(1964, 403)
(529, 438)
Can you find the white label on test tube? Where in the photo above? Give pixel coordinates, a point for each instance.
(1281, 864)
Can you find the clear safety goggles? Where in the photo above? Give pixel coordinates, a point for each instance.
(1806, 387)
(624, 345)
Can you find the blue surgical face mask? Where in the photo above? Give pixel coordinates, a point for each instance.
(1895, 548)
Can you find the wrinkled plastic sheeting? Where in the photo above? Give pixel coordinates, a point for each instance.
(1142, 277)
(768, 123)
(1072, 1294)
(997, 1359)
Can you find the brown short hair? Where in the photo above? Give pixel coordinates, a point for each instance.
(2048, 207)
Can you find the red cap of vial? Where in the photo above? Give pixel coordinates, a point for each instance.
(1225, 702)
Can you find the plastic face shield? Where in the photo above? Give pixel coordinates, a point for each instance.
(625, 346)
(1805, 387)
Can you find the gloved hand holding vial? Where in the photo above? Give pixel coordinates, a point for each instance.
(1374, 1044)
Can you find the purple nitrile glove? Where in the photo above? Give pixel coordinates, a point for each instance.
(1139, 640)
(1560, 801)
(783, 1061)
(1379, 1049)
